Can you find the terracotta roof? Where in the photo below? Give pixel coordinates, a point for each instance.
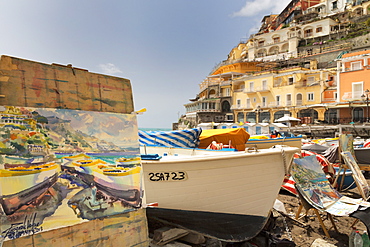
(355, 53)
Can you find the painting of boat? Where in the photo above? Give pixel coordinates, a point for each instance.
(128, 162)
(121, 183)
(27, 183)
(226, 195)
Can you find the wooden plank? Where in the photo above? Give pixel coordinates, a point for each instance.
(27, 83)
(121, 230)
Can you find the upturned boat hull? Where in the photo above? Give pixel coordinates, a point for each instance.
(18, 188)
(225, 189)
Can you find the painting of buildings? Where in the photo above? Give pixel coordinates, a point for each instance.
(61, 167)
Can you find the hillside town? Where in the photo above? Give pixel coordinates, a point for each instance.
(311, 61)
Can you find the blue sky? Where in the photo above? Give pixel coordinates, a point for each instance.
(165, 47)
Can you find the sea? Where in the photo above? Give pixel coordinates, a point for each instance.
(155, 129)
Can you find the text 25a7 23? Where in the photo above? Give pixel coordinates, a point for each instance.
(167, 176)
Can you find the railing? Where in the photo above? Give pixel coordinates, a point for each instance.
(261, 89)
(349, 96)
(248, 90)
(300, 84)
(347, 120)
(275, 104)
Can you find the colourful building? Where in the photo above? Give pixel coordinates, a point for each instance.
(353, 87)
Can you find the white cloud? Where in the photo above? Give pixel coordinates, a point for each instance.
(109, 68)
(262, 7)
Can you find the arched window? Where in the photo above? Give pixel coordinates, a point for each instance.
(274, 50)
(251, 117)
(299, 99)
(280, 114)
(212, 93)
(225, 106)
(265, 117)
(331, 116)
(358, 114)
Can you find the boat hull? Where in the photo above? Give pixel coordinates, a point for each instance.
(268, 143)
(233, 184)
(227, 227)
(362, 155)
(12, 203)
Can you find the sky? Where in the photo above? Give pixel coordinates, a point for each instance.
(164, 47)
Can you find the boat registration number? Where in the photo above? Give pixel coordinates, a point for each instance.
(167, 176)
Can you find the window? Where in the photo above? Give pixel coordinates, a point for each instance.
(357, 90)
(308, 33)
(335, 95)
(227, 91)
(356, 65)
(310, 80)
(310, 97)
(251, 86)
(264, 101)
(290, 80)
(334, 5)
(229, 117)
(248, 103)
(238, 102)
(264, 85)
(318, 29)
(277, 100)
(212, 105)
(299, 99)
(254, 100)
(288, 99)
(261, 43)
(276, 40)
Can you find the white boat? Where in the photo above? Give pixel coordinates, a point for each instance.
(226, 195)
(269, 142)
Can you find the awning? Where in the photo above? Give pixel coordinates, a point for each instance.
(237, 137)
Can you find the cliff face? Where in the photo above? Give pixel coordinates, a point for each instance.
(66, 139)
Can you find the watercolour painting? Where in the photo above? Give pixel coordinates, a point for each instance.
(312, 184)
(61, 167)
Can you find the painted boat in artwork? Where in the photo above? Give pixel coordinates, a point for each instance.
(20, 185)
(120, 182)
(222, 194)
(267, 143)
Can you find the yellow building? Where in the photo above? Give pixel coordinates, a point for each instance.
(267, 96)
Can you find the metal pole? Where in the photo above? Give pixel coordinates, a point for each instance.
(367, 108)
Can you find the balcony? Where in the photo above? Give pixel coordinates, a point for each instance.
(262, 89)
(351, 96)
(325, 99)
(300, 84)
(249, 91)
(274, 104)
(208, 110)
